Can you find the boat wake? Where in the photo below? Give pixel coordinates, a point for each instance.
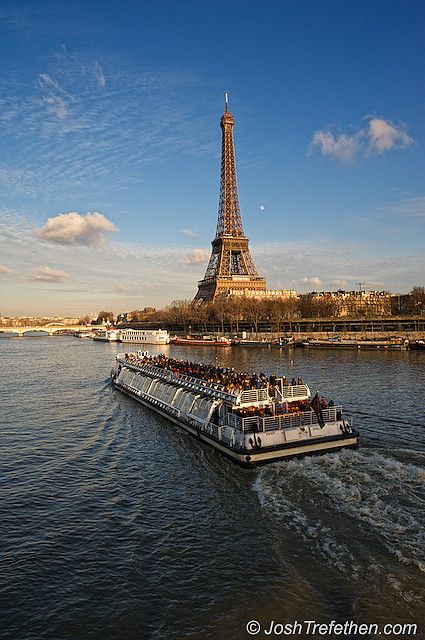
(351, 507)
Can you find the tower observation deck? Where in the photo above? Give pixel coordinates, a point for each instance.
(231, 267)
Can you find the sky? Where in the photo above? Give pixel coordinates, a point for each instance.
(110, 146)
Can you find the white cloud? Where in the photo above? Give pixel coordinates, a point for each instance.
(342, 146)
(57, 106)
(4, 271)
(385, 135)
(197, 256)
(408, 207)
(314, 281)
(56, 100)
(44, 80)
(77, 229)
(99, 75)
(121, 289)
(46, 274)
(188, 232)
(378, 137)
(339, 283)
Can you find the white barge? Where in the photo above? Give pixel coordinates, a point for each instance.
(145, 336)
(251, 426)
(107, 335)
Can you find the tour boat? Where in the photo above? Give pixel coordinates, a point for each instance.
(157, 336)
(205, 341)
(273, 421)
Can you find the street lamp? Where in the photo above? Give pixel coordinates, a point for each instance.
(359, 284)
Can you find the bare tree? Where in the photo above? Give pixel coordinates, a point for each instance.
(105, 316)
(417, 300)
(254, 311)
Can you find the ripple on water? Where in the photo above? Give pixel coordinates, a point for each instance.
(357, 510)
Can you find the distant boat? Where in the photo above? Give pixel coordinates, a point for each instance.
(108, 335)
(156, 336)
(282, 342)
(338, 343)
(418, 345)
(206, 341)
(252, 343)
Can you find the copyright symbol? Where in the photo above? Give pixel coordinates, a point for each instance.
(253, 627)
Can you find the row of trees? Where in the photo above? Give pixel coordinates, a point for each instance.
(231, 313)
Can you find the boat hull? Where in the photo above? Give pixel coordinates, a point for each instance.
(261, 455)
(201, 343)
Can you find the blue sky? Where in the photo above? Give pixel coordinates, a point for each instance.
(110, 146)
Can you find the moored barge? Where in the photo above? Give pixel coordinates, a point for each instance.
(206, 341)
(258, 421)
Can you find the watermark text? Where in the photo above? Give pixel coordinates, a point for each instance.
(312, 628)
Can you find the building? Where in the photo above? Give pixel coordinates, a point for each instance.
(266, 294)
(356, 303)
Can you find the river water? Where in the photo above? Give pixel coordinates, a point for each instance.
(116, 524)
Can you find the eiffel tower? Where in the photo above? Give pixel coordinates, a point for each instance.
(231, 267)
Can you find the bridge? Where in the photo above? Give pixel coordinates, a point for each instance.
(50, 329)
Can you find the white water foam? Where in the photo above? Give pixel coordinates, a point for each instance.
(341, 502)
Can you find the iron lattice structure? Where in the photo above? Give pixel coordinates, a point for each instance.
(231, 266)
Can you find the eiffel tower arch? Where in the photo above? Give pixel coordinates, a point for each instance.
(231, 267)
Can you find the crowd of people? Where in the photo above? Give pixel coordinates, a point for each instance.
(231, 381)
(224, 378)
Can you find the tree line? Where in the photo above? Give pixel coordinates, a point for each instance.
(230, 314)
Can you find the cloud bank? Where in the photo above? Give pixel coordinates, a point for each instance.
(4, 271)
(197, 256)
(339, 283)
(313, 281)
(46, 274)
(379, 136)
(77, 229)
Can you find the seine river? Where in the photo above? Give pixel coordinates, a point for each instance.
(115, 524)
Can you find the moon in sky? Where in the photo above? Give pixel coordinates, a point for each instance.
(261, 207)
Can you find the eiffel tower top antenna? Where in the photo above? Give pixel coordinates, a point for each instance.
(227, 100)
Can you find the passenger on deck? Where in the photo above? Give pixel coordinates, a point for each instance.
(225, 378)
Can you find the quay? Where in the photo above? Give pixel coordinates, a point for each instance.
(411, 328)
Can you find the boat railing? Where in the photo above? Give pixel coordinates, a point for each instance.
(295, 391)
(252, 396)
(255, 424)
